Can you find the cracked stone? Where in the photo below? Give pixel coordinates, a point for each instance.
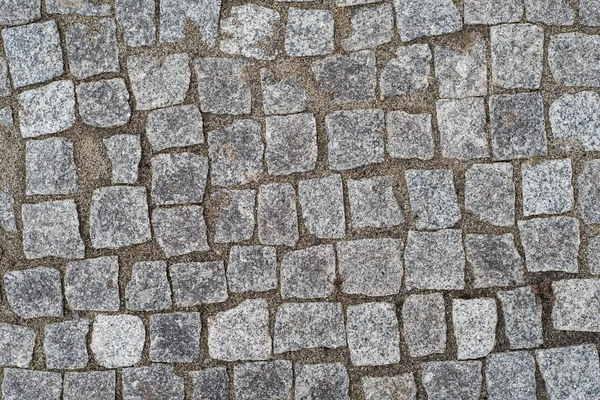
(474, 327)
(197, 283)
(522, 317)
(7, 211)
(285, 96)
(371, 27)
(277, 215)
(291, 143)
(65, 344)
(93, 284)
(547, 187)
(322, 204)
(93, 385)
(252, 269)
(462, 125)
(125, 153)
(157, 381)
(397, 387)
(419, 18)
(235, 218)
(409, 135)
(19, 12)
(449, 380)
(510, 375)
(16, 345)
(572, 56)
(203, 15)
(309, 33)
(104, 104)
(494, 260)
(321, 381)
(409, 71)
(175, 337)
(50, 167)
(372, 202)
(550, 12)
(92, 47)
(93, 8)
(589, 192)
(149, 288)
(308, 273)
(222, 86)
(263, 380)
(136, 19)
(424, 324)
(178, 178)
(179, 126)
(490, 193)
(118, 340)
(577, 305)
(575, 121)
(490, 12)
(22, 384)
(210, 384)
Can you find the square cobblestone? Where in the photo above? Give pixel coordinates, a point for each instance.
(210, 384)
(490, 193)
(421, 18)
(321, 381)
(50, 167)
(22, 384)
(424, 324)
(93, 284)
(92, 47)
(547, 187)
(65, 344)
(16, 345)
(510, 376)
(178, 178)
(19, 12)
(156, 381)
(118, 340)
(105, 103)
(82, 7)
(522, 317)
(277, 215)
(235, 218)
(409, 135)
(263, 380)
(149, 288)
(93, 385)
(308, 273)
(322, 204)
(409, 71)
(398, 387)
(575, 121)
(449, 380)
(570, 57)
(462, 125)
(252, 269)
(222, 86)
(373, 203)
(309, 32)
(577, 306)
(291, 143)
(136, 19)
(549, 12)
(202, 18)
(475, 323)
(198, 283)
(125, 153)
(175, 337)
(494, 260)
(490, 12)
(284, 96)
(370, 27)
(179, 126)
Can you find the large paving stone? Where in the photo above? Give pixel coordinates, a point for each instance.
(156, 381)
(291, 143)
(136, 19)
(589, 192)
(370, 27)
(309, 32)
(462, 125)
(252, 269)
(16, 345)
(93, 284)
(196, 283)
(34, 292)
(572, 56)
(575, 121)
(276, 215)
(178, 178)
(321, 381)
(149, 288)
(105, 103)
(409, 71)
(490, 12)
(424, 324)
(65, 344)
(308, 273)
(210, 384)
(421, 18)
(450, 380)
(494, 260)
(522, 317)
(175, 337)
(510, 375)
(200, 15)
(409, 135)
(235, 219)
(50, 167)
(474, 323)
(577, 305)
(92, 47)
(397, 387)
(178, 126)
(125, 154)
(23, 384)
(19, 12)
(263, 380)
(223, 86)
(550, 12)
(322, 204)
(373, 203)
(490, 193)
(92, 385)
(284, 96)
(118, 340)
(547, 187)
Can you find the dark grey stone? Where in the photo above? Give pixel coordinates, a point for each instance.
(252, 269)
(93, 284)
(198, 283)
(175, 337)
(35, 292)
(474, 323)
(577, 305)
(373, 203)
(370, 27)
(322, 204)
(522, 317)
(149, 288)
(575, 121)
(50, 167)
(178, 178)
(452, 380)
(19, 12)
(92, 385)
(156, 381)
(397, 387)
(65, 344)
(321, 381)
(104, 104)
(23, 384)
(125, 153)
(462, 126)
(490, 12)
(490, 193)
(285, 96)
(494, 260)
(136, 19)
(235, 215)
(210, 384)
(118, 340)
(308, 273)
(571, 57)
(16, 345)
(309, 32)
(92, 47)
(276, 215)
(202, 15)
(409, 135)
(409, 71)
(263, 380)
(223, 86)
(179, 126)
(424, 324)
(510, 376)
(550, 12)
(291, 143)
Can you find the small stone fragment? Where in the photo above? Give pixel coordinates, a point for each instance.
(409, 71)
(203, 15)
(93, 284)
(372, 202)
(223, 86)
(494, 260)
(371, 27)
(577, 305)
(7, 124)
(308, 273)
(235, 219)
(462, 125)
(7, 211)
(93, 8)
(277, 220)
(47, 109)
(490, 193)
(105, 103)
(4, 81)
(450, 380)
(397, 387)
(424, 324)
(593, 255)
(175, 337)
(197, 283)
(178, 178)
(571, 58)
(575, 120)
(92, 47)
(522, 317)
(491, 12)
(19, 12)
(179, 126)
(118, 340)
(65, 344)
(309, 33)
(320, 381)
(291, 143)
(23, 384)
(474, 327)
(589, 192)
(50, 167)
(322, 203)
(16, 345)
(148, 289)
(547, 187)
(92, 385)
(409, 135)
(210, 384)
(550, 12)
(125, 153)
(263, 380)
(285, 96)
(136, 19)
(510, 375)
(419, 18)
(252, 269)
(156, 381)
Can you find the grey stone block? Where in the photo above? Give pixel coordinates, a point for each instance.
(104, 104)
(179, 126)
(397, 387)
(571, 55)
(322, 204)
(50, 167)
(210, 384)
(420, 18)
(308, 273)
(149, 288)
(409, 135)
(494, 260)
(550, 12)
(370, 27)
(309, 32)
(577, 305)
(291, 143)
(92, 8)
(263, 380)
(424, 324)
(136, 19)
(35, 292)
(276, 215)
(125, 153)
(373, 203)
(589, 12)
(575, 121)
(449, 380)
(522, 317)
(19, 12)
(408, 71)
(285, 96)
(92, 47)
(65, 344)
(178, 178)
(118, 340)
(4, 80)
(93, 385)
(198, 283)
(490, 12)
(175, 337)
(321, 381)
(510, 376)
(547, 187)
(23, 384)
(490, 193)
(7, 211)
(462, 125)
(157, 381)
(223, 86)
(593, 255)
(474, 323)
(93, 284)
(201, 15)
(589, 193)
(235, 215)
(252, 269)
(16, 345)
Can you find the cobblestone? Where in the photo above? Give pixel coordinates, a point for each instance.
(424, 324)
(93, 284)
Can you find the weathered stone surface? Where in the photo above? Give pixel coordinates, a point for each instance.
(119, 217)
(577, 305)
(348, 79)
(291, 143)
(175, 337)
(434, 260)
(179, 126)
(65, 344)
(149, 288)
(491, 12)
(92, 47)
(575, 121)
(490, 193)
(572, 56)
(424, 324)
(418, 18)
(4, 81)
(589, 12)
(125, 153)
(409, 71)
(7, 211)
(158, 82)
(202, 15)
(22, 384)
(19, 12)
(494, 260)
(309, 32)
(409, 135)
(93, 284)
(178, 178)
(157, 381)
(550, 244)
(448, 380)
(547, 187)
(510, 376)
(93, 385)
(105, 103)
(33, 52)
(397, 387)
(589, 192)
(285, 96)
(474, 327)
(462, 125)
(93, 8)
(308, 273)
(118, 340)
(210, 384)
(322, 203)
(321, 381)
(263, 380)
(235, 218)
(136, 19)
(241, 333)
(223, 86)
(308, 325)
(550, 12)
(50, 167)
(276, 215)
(370, 27)
(252, 269)
(7, 123)
(373, 203)
(522, 317)
(198, 283)
(16, 345)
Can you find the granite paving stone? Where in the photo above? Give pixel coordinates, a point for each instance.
(322, 204)
(93, 284)
(446, 380)
(522, 313)
(397, 387)
(494, 260)
(155, 381)
(571, 57)
(90, 8)
(50, 167)
(321, 381)
(23, 384)
(577, 306)
(424, 324)
(309, 32)
(65, 344)
(178, 126)
(490, 193)
(92, 385)
(291, 143)
(104, 104)
(474, 323)
(8, 221)
(92, 47)
(593, 255)
(175, 337)
(149, 288)
(547, 187)
(589, 12)
(308, 273)
(416, 19)
(178, 178)
(409, 71)
(7, 123)
(125, 154)
(373, 203)
(252, 269)
(136, 19)
(510, 375)
(491, 12)
(409, 135)
(235, 219)
(283, 96)
(276, 214)
(223, 86)
(4, 80)
(118, 340)
(575, 121)
(196, 283)
(263, 380)
(19, 12)
(16, 345)
(370, 27)
(550, 12)
(210, 384)
(200, 16)
(589, 192)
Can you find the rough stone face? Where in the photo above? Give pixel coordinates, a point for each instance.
(119, 217)
(104, 104)
(241, 333)
(158, 82)
(309, 32)
(462, 125)
(355, 138)
(322, 203)
(490, 193)
(136, 18)
(577, 306)
(490, 12)
(494, 260)
(33, 52)
(372, 202)
(517, 55)
(179, 126)
(235, 220)
(236, 153)
(434, 260)
(373, 337)
(81, 7)
(93, 385)
(118, 340)
(522, 318)
(7, 211)
(252, 269)
(276, 215)
(175, 337)
(65, 344)
(4, 81)
(308, 273)
(572, 56)
(547, 187)
(517, 126)
(22, 384)
(549, 12)
(424, 324)
(433, 200)
(157, 381)
(19, 12)
(446, 380)
(92, 47)
(148, 289)
(222, 86)
(371, 27)
(210, 384)
(589, 12)
(474, 327)
(308, 325)
(50, 167)
(285, 96)
(250, 32)
(589, 192)
(125, 153)
(93, 284)
(409, 71)
(550, 244)
(7, 123)
(409, 135)
(16, 345)
(510, 376)
(419, 18)
(570, 372)
(198, 283)
(321, 381)
(593, 255)
(178, 178)
(51, 229)
(575, 121)
(349, 79)
(398, 387)
(291, 143)
(263, 380)
(202, 15)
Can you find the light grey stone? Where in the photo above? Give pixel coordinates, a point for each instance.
(92, 385)
(419, 18)
(276, 215)
(7, 124)
(104, 104)
(575, 121)
(570, 57)
(33, 52)
(291, 143)
(92, 8)
(348, 79)
(409, 135)
(510, 376)
(196, 283)
(321, 381)
(433, 200)
(570, 372)
(373, 337)
(462, 125)
(550, 244)
(263, 380)
(550, 12)
(19, 12)
(235, 215)
(92, 47)
(125, 153)
(156, 381)
(449, 380)
(179, 126)
(16, 345)
(158, 81)
(593, 255)
(589, 192)
(371, 27)
(522, 317)
(222, 86)
(517, 126)
(397, 387)
(236, 153)
(136, 19)
(577, 305)
(490, 12)
(349, 3)
(309, 32)
(370, 267)
(372, 202)
(51, 229)
(240, 333)
(322, 203)
(409, 71)
(355, 138)
(118, 340)
(93, 284)
(47, 109)
(4, 81)
(589, 12)
(424, 324)
(119, 217)
(434, 260)
(308, 273)
(462, 72)
(149, 288)
(474, 323)
(252, 269)
(490, 193)
(175, 337)
(203, 15)
(22, 384)
(210, 384)
(494, 260)
(178, 178)
(50, 167)
(65, 344)
(7, 211)
(285, 96)
(547, 187)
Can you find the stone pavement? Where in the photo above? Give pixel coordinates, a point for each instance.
(309, 200)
